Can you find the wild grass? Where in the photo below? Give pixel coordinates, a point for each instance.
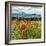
(26, 29)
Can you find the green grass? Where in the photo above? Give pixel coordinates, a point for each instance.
(33, 32)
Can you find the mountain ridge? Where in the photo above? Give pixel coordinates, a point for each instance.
(22, 14)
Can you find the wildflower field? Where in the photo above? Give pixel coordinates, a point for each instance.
(25, 29)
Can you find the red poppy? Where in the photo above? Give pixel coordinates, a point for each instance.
(23, 27)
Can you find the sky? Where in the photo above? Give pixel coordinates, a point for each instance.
(27, 10)
(16, 9)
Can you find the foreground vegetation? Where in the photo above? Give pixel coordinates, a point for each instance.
(26, 29)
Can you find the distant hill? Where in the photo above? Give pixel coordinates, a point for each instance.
(26, 15)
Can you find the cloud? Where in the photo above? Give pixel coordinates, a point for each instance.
(17, 9)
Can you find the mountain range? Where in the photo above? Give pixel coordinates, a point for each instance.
(26, 15)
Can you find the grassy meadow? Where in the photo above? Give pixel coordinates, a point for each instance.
(26, 29)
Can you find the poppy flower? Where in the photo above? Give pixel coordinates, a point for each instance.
(23, 27)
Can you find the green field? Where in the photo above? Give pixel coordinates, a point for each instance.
(25, 29)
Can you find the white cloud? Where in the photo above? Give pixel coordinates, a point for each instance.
(26, 9)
